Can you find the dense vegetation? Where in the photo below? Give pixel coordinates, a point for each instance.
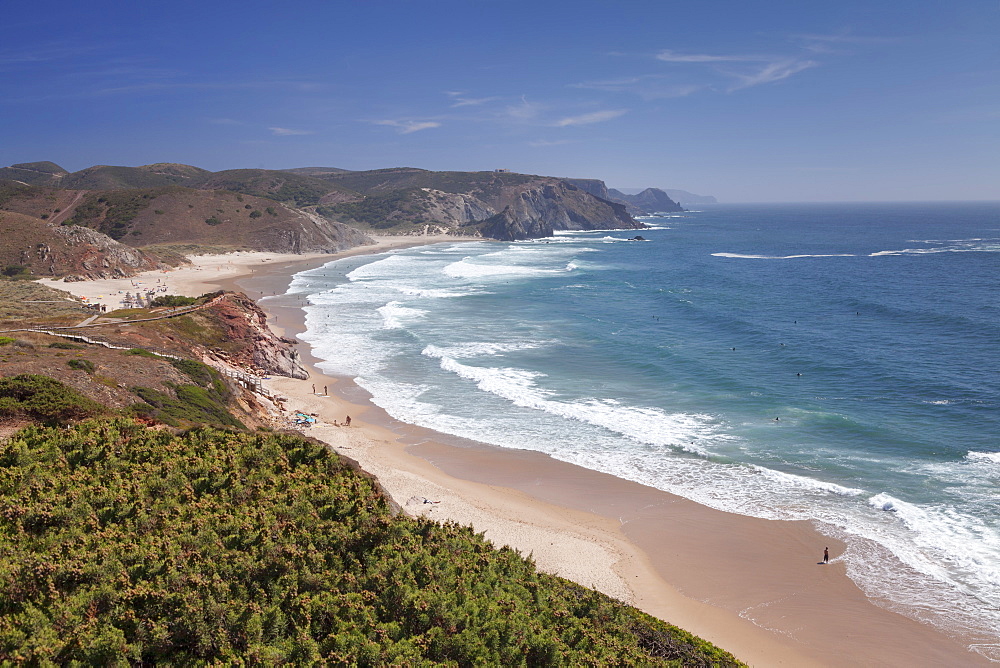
(127, 544)
(204, 401)
(111, 212)
(43, 399)
(379, 211)
(294, 189)
(386, 180)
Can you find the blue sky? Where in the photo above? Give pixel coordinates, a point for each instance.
(748, 101)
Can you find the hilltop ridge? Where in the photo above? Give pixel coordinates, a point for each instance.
(135, 216)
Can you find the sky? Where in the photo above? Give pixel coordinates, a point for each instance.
(840, 100)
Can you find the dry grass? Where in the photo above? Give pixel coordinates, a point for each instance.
(22, 301)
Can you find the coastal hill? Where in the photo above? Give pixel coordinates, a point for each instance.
(498, 205)
(649, 201)
(685, 198)
(109, 221)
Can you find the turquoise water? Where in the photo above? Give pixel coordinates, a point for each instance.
(837, 363)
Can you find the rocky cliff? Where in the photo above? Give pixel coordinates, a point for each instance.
(650, 200)
(498, 206)
(58, 250)
(248, 343)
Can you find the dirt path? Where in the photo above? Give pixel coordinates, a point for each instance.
(68, 209)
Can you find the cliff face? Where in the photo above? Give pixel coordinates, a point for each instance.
(498, 206)
(56, 250)
(250, 343)
(650, 200)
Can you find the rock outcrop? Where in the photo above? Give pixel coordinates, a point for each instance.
(249, 343)
(507, 226)
(650, 200)
(495, 205)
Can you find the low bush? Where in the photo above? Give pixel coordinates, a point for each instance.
(81, 365)
(45, 400)
(174, 300)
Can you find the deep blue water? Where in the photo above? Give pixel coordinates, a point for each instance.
(870, 331)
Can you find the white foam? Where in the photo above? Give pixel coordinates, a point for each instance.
(432, 293)
(484, 348)
(954, 547)
(975, 245)
(647, 425)
(983, 457)
(394, 315)
(810, 484)
(778, 257)
(466, 269)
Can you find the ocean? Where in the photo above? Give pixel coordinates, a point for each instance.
(830, 362)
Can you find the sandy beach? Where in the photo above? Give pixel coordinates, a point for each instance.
(751, 586)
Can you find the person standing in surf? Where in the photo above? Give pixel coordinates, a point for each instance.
(826, 555)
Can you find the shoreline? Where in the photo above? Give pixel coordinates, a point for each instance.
(750, 586)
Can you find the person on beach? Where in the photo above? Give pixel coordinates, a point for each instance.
(324, 391)
(314, 389)
(347, 421)
(826, 555)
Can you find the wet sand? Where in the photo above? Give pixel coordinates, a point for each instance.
(751, 586)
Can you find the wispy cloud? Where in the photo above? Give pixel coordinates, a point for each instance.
(757, 69)
(593, 117)
(547, 142)
(43, 53)
(674, 57)
(289, 132)
(646, 86)
(405, 127)
(525, 111)
(775, 71)
(834, 43)
(461, 100)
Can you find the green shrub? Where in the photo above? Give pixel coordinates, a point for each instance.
(174, 300)
(65, 345)
(213, 221)
(127, 545)
(255, 214)
(81, 365)
(5, 340)
(44, 399)
(15, 271)
(142, 352)
(203, 402)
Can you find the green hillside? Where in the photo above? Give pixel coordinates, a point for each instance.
(104, 177)
(124, 544)
(34, 173)
(282, 186)
(401, 178)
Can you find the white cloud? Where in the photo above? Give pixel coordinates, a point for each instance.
(587, 119)
(545, 142)
(774, 68)
(646, 86)
(405, 127)
(827, 43)
(672, 57)
(289, 132)
(775, 71)
(525, 111)
(460, 99)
